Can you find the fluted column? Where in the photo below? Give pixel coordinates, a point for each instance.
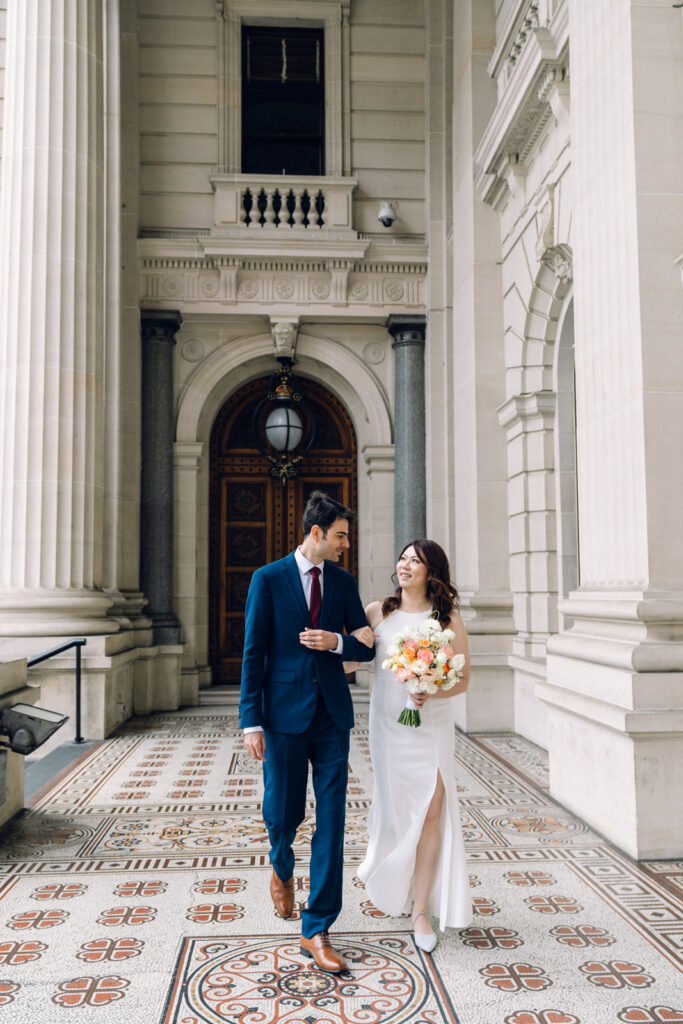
(156, 485)
(410, 490)
(51, 328)
(615, 679)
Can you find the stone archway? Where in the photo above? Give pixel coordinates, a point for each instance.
(530, 420)
(218, 377)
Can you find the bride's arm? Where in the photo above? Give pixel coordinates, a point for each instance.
(461, 646)
(366, 634)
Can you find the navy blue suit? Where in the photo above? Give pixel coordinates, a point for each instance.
(301, 699)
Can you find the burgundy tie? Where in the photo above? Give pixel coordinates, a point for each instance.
(316, 596)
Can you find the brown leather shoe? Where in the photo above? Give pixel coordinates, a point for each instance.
(283, 895)
(323, 952)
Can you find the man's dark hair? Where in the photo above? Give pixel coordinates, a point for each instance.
(322, 510)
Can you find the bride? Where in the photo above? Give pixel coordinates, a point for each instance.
(416, 854)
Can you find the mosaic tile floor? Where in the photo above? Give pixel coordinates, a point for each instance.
(136, 888)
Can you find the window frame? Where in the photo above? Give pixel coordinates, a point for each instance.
(330, 15)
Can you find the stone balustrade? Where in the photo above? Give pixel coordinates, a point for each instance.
(264, 205)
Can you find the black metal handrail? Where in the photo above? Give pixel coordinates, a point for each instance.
(66, 646)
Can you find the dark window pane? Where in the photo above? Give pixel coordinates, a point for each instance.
(283, 101)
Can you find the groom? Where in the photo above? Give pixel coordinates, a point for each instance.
(296, 707)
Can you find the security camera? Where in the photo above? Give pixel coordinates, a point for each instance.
(387, 214)
(27, 726)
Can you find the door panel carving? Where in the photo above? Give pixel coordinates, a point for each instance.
(254, 518)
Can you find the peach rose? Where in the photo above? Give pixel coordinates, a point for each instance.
(426, 656)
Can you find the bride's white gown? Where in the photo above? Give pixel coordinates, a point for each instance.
(405, 763)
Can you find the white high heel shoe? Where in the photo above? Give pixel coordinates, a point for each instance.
(426, 941)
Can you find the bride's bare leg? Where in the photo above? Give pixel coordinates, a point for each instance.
(427, 856)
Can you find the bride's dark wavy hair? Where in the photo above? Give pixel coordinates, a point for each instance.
(440, 590)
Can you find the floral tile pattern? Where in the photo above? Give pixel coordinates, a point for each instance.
(138, 886)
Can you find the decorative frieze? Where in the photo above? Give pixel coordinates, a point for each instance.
(248, 283)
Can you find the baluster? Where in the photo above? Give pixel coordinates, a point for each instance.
(247, 204)
(269, 212)
(320, 208)
(298, 212)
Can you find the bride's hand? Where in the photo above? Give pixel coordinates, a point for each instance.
(366, 635)
(419, 699)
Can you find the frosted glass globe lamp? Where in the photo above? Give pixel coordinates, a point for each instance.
(284, 429)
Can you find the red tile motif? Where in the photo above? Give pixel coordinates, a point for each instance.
(369, 909)
(650, 1015)
(140, 889)
(215, 886)
(541, 1017)
(209, 912)
(616, 974)
(110, 949)
(491, 938)
(553, 904)
(90, 991)
(58, 892)
(529, 878)
(474, 881)
(7, 991)
(481, 905)
(38, 919)
(582, 935)
(117, 916)
(515, 977)
(16, 953)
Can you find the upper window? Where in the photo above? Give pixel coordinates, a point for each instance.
(283, 101)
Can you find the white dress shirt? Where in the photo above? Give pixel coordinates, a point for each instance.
(304, 566)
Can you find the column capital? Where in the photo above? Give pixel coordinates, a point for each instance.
(160, 324)
(407, 330)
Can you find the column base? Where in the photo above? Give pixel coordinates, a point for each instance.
(166, 629)
(13, 690)
(55, 612)
(614, 695)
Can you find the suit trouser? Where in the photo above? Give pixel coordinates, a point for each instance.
(285, 775)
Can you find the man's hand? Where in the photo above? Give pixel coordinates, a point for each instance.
(255, 742)
(319, 639)
(366, 635)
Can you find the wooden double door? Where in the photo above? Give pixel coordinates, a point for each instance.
(255, 518)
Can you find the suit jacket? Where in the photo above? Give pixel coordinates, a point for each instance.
(281, 679)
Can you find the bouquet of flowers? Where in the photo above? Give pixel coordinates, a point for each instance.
(421, 656)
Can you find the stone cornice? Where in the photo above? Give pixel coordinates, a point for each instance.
(536, 91)
(206, 275)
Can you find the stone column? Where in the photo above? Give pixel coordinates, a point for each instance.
(615, 679)
(472, 442)
(410, 518)
(156, 485)
(51, 322)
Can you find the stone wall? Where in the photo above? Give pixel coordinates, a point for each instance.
(180, 107)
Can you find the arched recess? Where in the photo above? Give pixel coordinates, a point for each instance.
(530, 418)
(566, 494)
(220, 375)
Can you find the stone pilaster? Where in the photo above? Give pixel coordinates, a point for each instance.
(408, 333)
(615, 679)
(156, 486)
(51, 322)
(472, 441)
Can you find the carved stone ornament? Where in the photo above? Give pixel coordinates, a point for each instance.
(284, 337)
(559, 259)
